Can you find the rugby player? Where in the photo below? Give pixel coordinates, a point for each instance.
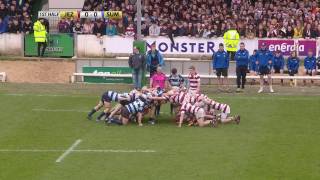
(106, 99)
(196, 112)
(224, 109)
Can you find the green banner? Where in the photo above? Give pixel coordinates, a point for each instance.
(59, 45)
(107, 70)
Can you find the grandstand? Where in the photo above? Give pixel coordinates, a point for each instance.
(159, 89)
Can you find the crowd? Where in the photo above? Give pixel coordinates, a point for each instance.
(194, 18)
(15, 16)
(209, 18)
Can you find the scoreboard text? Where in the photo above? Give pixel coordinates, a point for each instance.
(80, 14)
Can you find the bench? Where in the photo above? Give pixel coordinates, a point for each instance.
(3, 76)
(294, 78)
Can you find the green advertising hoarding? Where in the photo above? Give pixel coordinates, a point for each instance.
(107, 70)
(59, 45)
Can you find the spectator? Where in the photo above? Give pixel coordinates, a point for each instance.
(317, 33)
(88, 27)
(120, 29)
(111, 29)
(250, 32)
(27, 26)
(310, 65)
(3, 26)
(154, 59)
(3, 11)
(13, 12)
(137, 63)
(298, 30)
(190, 30)
(77, 29)
(144, 30)
(293, 65)
(154, 30)
(308, 32)
(164, 30)
(220, 65)
(290, 32)
(130, 31)
(63, 26)
(99, 29)
(242, 61)
(15, 27)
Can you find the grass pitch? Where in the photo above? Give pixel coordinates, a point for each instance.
(278, 138)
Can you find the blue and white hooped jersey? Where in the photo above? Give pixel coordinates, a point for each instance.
(110, 96)
(136, 106)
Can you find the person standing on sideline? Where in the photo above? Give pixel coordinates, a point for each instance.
(253, 67)
(220, 65)
(242, 61)
(278, 64)
(264, 62)
(40, 36)
(310, 65)
(194, 81)
(231, 40)
(154, 59)
(293, 65)
(137, 64)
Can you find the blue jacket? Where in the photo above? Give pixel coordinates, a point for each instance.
(252, 64)
(293, 64)
(310, 63)
(111, 30)
(159, 58)
(242, 58)
(263, 57)
(220, 60)
(4, 25)
(278, 62)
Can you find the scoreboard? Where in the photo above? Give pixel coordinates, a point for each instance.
(80, 14)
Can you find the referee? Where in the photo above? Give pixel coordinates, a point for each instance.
(242, 61)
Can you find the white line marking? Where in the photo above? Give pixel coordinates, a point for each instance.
(59, 110)
(115, 151)
(81, 150)
(50, 95)
(68, 151)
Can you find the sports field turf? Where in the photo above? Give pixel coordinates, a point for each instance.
(278, 138)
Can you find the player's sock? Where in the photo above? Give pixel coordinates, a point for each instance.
(92, 112)
(115, 121)
(101, 115)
